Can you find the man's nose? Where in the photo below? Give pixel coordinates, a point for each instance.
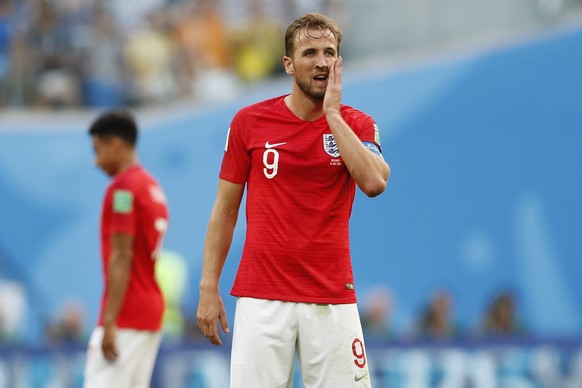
(321, 60)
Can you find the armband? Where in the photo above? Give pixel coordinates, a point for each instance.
(373, 147)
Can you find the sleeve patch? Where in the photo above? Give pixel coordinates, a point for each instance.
(122, 201)
(377, 135)
(227, 136)
(374, 148)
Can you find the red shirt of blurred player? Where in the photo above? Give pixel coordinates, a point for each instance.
(135, 205)
(133, 224)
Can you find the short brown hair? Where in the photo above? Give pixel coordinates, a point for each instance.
(311, 21)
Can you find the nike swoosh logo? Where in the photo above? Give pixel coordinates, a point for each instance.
(358, 376)
(267, 145)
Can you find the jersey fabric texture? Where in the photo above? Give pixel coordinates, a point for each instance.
(134, 204)
(299, 201)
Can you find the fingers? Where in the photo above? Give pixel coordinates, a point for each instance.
(334, 73)
(108, 347)
(338, 68)
(109, 351)
(209, 327)
(224, 323)
(209, 315)
(211, 332)
(110, 354)
(332, 99)
(335, 76)
(214, 339)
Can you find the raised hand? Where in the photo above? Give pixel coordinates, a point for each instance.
(333, 93)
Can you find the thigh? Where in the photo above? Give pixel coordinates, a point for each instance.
(141, 349)
(99, 371)
(133, 368)
(263, 344)
(331, 347)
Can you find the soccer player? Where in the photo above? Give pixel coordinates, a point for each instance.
(123, 347)
(300, 156)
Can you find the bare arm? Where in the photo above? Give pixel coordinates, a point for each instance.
(369, 170)
(218, 240)
(119, 272)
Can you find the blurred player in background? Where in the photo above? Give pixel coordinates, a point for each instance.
(301, 156)
(123, 347)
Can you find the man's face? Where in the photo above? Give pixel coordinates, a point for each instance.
(314, 52)
(106, 153)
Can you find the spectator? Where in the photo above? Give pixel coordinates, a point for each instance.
(58, 83)
(501, 318)
(436, 321)
(377, 314)
(5, 33)
(103, 67)
(202, 37)
(70, 326)
(18, 84)
(150, 57)
(257, 49)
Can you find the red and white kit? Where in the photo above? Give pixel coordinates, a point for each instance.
(299, 202)
(135, 205)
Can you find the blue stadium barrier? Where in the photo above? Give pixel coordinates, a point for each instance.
(509, 363)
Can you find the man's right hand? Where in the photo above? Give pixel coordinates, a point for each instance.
(210, 312)
(108, 346)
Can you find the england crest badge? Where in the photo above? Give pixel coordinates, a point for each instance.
(330, 146)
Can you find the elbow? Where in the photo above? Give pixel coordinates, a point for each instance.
(376, 186)
(374, 189)
(122, 260)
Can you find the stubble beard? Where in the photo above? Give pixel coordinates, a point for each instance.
(309, 91)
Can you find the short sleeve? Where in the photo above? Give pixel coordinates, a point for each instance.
(236, 161)
(123, 210)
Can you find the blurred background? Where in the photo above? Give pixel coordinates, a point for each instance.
(467, 268)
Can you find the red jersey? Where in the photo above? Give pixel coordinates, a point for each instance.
(135, 204)
(299, 201)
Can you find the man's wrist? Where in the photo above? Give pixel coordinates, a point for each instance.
(333, 115)
(109, 322)
(208, 288)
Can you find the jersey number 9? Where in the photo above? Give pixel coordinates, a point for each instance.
(271, 162)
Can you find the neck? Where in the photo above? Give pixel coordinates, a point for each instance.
(127, 162)
(303, 106)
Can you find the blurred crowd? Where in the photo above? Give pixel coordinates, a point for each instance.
(102, 53)
(437, 320)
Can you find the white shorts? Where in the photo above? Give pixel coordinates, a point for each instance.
(328, 340)
(134, 367)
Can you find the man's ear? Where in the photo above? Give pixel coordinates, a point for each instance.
(288, 65)
(116, 142)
